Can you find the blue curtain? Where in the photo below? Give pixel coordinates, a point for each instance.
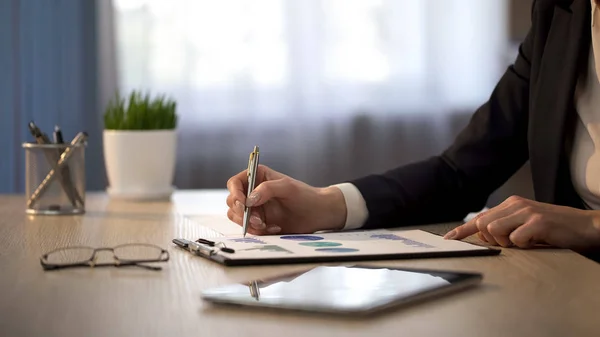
(48, 74)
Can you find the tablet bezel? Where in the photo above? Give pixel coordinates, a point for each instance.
(463, 281)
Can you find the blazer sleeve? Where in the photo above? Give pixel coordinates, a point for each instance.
(444, 188)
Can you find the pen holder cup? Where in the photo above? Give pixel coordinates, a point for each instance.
(55, 178)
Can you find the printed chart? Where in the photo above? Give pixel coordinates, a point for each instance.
(347, 246)
(341, 243)
(249, 240)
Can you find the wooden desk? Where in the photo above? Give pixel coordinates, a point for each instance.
(525, 293)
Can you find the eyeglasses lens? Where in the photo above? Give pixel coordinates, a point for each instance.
(70, 255)
(136, 252)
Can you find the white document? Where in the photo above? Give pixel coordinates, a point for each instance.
(356, 243)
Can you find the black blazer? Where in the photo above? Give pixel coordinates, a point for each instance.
(529, 116)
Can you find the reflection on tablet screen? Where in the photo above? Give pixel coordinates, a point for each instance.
(340, 288)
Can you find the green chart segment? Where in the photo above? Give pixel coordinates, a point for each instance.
(320, 244)
(268, 248)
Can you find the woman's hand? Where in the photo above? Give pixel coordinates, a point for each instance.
(282, 205)
(525, 223)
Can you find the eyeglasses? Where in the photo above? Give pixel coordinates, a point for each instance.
(127, 255)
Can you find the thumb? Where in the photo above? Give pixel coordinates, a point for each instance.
(280, 188)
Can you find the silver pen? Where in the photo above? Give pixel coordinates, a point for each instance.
(254, 290)
(252, 171)
(62, 162)
(63, 174)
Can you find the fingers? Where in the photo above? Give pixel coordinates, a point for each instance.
(255, 231)
(236, 199)
(257, 226)
(481, 237)
(462, 231)
(528, 235)
(266, 173)
(237, 207)
(258, 221)
(234, 217)
(498, 225)
(252, 229)
(237, 186)
(482, 228)
(280, 188)
(500, 221)
(272, 215)
(234, 203)
(479, 224)
(502, 228)
(270, 184)
(255, 220)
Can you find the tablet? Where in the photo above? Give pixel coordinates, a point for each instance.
(343, 289)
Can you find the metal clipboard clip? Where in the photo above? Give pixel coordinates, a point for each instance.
(203, 247)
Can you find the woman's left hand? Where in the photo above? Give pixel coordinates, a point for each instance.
(525, 223)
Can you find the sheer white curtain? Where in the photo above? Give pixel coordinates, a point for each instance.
(304, 78)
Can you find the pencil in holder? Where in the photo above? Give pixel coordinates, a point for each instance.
(55, 177)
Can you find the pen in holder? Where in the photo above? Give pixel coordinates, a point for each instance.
(55, 177)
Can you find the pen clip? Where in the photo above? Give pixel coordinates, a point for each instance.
(253, 156)
(250, 163)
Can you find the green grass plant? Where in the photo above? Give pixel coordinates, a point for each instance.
(140, 112)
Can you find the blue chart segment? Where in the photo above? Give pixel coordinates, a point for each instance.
(248, 240)
(320, 244)
(404, 240)
(337, 250)
(302, 237)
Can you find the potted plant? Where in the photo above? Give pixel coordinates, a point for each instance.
(139, 144)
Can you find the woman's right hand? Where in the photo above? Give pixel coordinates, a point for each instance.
(282, 205)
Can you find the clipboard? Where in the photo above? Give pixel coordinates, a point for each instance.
(382, 244)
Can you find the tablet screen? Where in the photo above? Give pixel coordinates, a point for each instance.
(342, 289)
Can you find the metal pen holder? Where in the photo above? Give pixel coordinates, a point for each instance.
(55, 178)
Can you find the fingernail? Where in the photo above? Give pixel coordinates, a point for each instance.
(256, 222)
(274, 229)
(252, 199)
(450, 235)
(259, 226)
(239, 205)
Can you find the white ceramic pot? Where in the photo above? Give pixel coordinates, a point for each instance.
(140, 164)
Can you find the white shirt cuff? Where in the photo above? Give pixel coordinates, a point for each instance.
(356, 207)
